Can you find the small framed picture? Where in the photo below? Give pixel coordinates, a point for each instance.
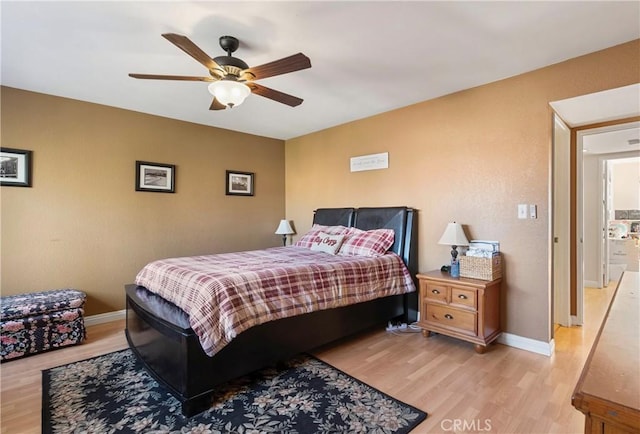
(155, 177)
(239, 183)
(15, 167)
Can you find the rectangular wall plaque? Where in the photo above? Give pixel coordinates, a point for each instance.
(370, 162)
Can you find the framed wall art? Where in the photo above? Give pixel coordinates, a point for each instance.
(15, 167)
(239, 183)
(155, 177)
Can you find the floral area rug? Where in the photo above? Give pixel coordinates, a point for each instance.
(113, 393)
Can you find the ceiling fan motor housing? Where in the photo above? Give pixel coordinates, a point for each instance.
(225, 61)
(232, 65)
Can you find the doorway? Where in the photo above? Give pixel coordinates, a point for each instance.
(596, 150)
(582, 114)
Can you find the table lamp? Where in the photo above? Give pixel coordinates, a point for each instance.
(284, 229)
(454, 236)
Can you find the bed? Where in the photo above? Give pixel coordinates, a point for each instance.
(161, 335)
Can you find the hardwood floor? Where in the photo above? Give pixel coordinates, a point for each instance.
(21, 386)
(505, 390)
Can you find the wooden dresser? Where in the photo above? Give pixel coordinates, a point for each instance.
(463, 308)
(608, 391)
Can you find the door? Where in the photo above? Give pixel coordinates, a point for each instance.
(561, 223)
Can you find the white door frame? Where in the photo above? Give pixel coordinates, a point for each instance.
(605, 194)
(578, 318)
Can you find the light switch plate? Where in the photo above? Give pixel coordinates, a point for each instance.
(533, 211)
(522, 210)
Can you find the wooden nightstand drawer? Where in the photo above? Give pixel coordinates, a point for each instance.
(464, 297)
(437, 292)
(467, 309)
(454, 318)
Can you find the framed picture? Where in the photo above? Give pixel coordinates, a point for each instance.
(155, 177)
(239, 183)
(15, 167)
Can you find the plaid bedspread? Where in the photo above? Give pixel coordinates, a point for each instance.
(228, 293)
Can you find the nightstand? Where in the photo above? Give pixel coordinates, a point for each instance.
(467, 309)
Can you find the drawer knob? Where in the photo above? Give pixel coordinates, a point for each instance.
(448, 316)
(462, 296)
(435, 291)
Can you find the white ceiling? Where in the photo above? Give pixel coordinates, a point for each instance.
(613, 141)
(612, 104)
(367, 57)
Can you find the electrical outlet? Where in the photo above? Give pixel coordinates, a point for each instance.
(522, 211)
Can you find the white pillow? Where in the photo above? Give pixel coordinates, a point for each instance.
(307, 239)
(327, 243)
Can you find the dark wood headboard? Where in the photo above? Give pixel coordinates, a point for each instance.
(334, 216)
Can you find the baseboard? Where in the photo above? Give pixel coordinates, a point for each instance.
(574, 321)
(511, 340)
(592, 284)
(538, 347)
(105, 317)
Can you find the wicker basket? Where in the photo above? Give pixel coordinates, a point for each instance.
(481, 268)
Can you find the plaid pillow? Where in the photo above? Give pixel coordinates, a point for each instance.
(375, 242)
(307, 239)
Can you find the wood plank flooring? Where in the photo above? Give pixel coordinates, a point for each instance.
(505, 390)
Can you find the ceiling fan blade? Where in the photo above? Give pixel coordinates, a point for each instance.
(277, 67)
(217, 105)
(186, 45)
(275, 95)
(171, 77)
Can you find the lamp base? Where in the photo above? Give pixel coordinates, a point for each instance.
(284, 240)
(455, 268)
(454, 252)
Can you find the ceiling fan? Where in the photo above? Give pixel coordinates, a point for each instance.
(232, 80)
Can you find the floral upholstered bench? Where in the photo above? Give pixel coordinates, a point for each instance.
(41, 321)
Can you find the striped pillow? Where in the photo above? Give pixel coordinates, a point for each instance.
(375, 242)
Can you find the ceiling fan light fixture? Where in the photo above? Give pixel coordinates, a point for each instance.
(229, 92)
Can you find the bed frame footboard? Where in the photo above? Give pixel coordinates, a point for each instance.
(159, 333)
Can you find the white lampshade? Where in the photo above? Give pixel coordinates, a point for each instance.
(454, 235)
(284, 228)
(229, 92)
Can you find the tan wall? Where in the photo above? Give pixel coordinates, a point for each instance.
(83, 225)
(470, 157)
